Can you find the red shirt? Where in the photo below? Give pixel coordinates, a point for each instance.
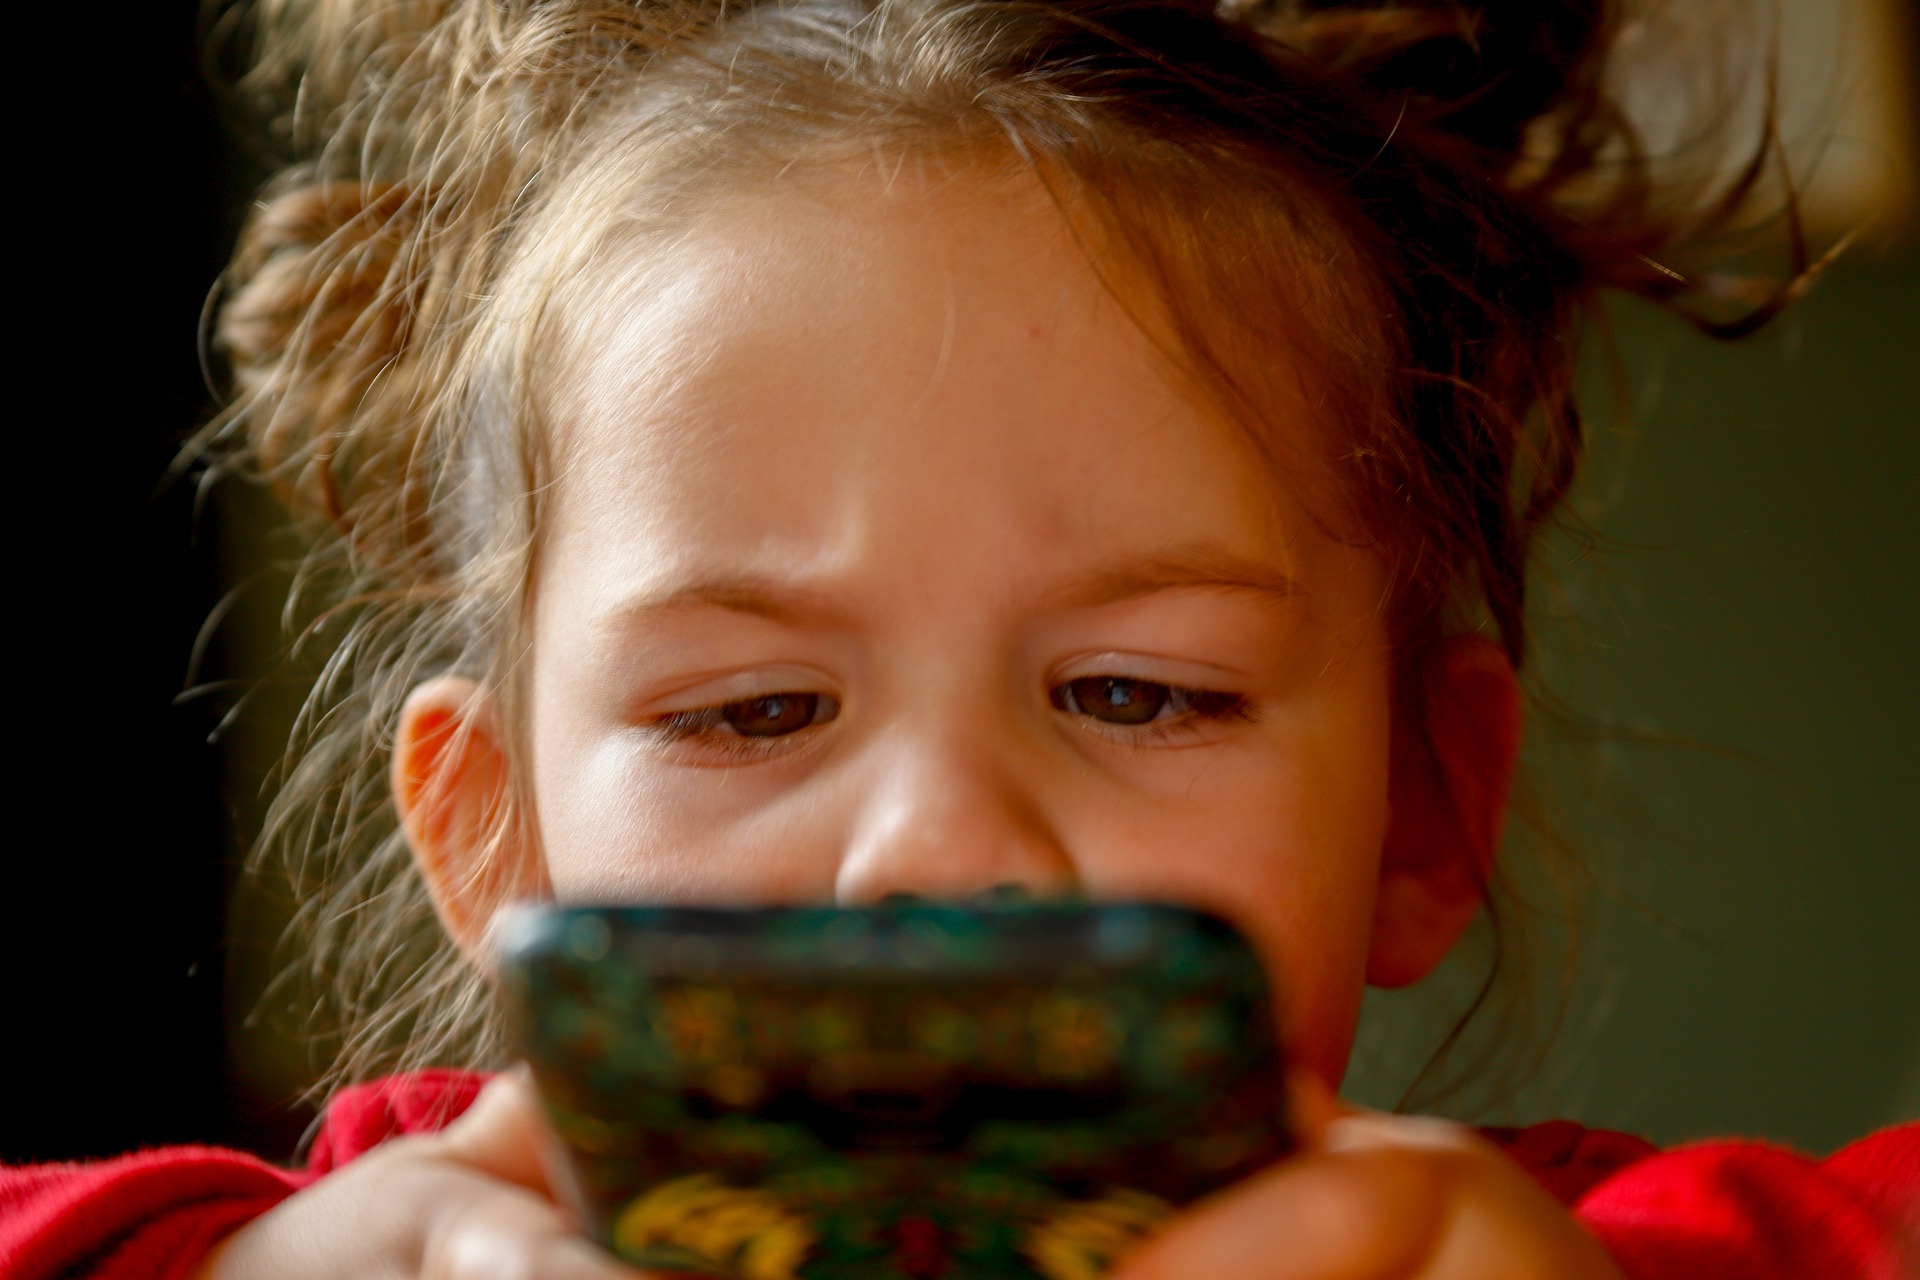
(1707, 1211)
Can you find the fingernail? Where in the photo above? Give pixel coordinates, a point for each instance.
(1362, 1132)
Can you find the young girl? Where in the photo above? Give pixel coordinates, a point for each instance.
(822, 450)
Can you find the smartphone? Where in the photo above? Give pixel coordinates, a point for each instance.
(901, 1092)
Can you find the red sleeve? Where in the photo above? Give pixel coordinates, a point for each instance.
(1749, 1211)
(362, 1116)
(147, 1216)
(153, 1215)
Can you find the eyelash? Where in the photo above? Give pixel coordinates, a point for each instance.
(703, 725)
(1196, 707)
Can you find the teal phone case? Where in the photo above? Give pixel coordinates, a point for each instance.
(920, 1092)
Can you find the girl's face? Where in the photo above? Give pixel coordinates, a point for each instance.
(887, 556)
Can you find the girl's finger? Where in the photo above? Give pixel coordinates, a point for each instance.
(503, 1134)
(1500, 1222)
(1372, 1130)
(1311, 1107)
(1362, 1216)
(513, 1236)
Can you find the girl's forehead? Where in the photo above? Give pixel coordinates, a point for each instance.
(846, 273)
(860, 359)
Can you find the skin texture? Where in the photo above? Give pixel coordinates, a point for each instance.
(888, 449)
(926, 466)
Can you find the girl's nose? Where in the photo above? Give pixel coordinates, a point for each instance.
(941, 821)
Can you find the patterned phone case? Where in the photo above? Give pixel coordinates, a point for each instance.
(914, 1092)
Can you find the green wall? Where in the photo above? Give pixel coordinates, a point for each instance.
(1740, 638)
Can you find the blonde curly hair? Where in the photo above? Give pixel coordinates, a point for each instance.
(1422, 198)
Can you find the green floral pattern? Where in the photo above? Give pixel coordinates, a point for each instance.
(914, 1092)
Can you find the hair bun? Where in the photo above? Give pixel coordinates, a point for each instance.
(1481, 72)
(312, 321)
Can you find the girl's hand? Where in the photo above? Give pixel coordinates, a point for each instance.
(1371, 1197)
(470, 1203)
(1376, 1197)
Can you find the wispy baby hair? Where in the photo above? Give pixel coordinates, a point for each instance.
(1417, 200)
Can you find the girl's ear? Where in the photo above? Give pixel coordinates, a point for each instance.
(451, 785)
(1447, 794)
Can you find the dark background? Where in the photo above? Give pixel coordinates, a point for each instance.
(124, 205)
(1754, 960)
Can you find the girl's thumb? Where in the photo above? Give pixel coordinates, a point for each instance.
(503, 1134)
(1311, 1107)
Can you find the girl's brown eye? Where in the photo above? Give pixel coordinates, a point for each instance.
(1116, 701)
(777, 714)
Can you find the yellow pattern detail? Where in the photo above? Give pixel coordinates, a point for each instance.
(1082, 1240)
(749, 1231)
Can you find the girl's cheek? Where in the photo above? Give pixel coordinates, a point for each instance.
(624, 824)
(1288, 847)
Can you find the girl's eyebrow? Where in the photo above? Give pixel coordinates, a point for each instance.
(1199, 565)
(759, 595)
(1204, 565)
